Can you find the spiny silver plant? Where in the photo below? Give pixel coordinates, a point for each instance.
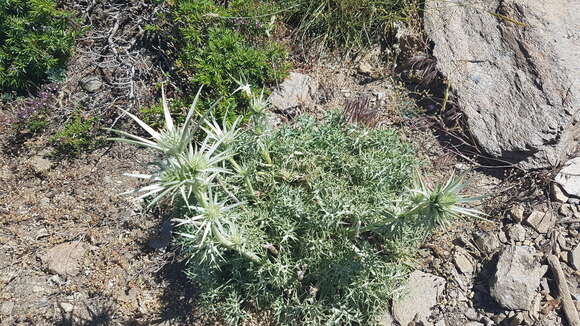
(188, 171)
(170, 140)
(441, 204)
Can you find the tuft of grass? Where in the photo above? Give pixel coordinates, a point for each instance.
(350, 24)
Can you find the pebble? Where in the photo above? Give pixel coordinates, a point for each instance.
(502, 237)
(516, 233)
(541, 221)
(517, 213)
(575, 257)
(463, 262)
(6, 308)
(91, 84)
(558, 194)
(66, 307)
(566, 210)
(487, 242)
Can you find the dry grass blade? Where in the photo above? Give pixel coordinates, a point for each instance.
(358, 111)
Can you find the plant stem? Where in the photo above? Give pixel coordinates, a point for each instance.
(247, 181)
(230, 245)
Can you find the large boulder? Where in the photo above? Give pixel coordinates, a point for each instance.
(513, 68)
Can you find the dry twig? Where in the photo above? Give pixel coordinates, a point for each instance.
(564, 292)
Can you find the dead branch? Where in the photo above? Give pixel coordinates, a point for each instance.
(564, 292)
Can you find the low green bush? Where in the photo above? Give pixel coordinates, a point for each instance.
(313, 222)
(35, 41)
(78, 135)
(349, 24)
(215, 46)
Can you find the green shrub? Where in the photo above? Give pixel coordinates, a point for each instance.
(214, 49)
(349, 23)
(35, 41)
(76, 136)
(312, 222)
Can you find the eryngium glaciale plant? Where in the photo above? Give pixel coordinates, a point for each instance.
(315, 222)
(187, 171)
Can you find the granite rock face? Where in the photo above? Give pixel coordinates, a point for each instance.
(513, 69)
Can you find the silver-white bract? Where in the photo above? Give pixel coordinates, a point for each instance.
(189, 170)
(171, 139)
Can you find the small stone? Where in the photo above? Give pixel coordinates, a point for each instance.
(575, 257)
(63, 259)
(471, 314)
(296, 91)
(41, 233)
(365, 68)
(40, 164)
(440, 322)
(517, 213)
(463, 262)
(502, 237)
(5, 172)
(91, 84)
(566, 210)
(66, 307)
(516, 233)
(564, 256)
(486, 242)
(544, 286)
(461, 166)
(423, 291)
(6, 308)
(516, 320)
(474, 323)
(558, 194)
(541, 221)
(569, 177)
(517, 277)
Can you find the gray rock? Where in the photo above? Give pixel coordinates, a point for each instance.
(91, 84)
(569, 177)
(463, 262)
(517, 277)
(5, 172)
(471, 314)
(487, 242)
(574, 257)
(518, 85)
(517, 213)
(541, 221)
(66, 307)
(473, 323)
(63, 259)
(297, 91)
(516, 233)
(566, 210)
(502, 237)
(423, 291)
(6, 308)
(40, 164)
(558, 194)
